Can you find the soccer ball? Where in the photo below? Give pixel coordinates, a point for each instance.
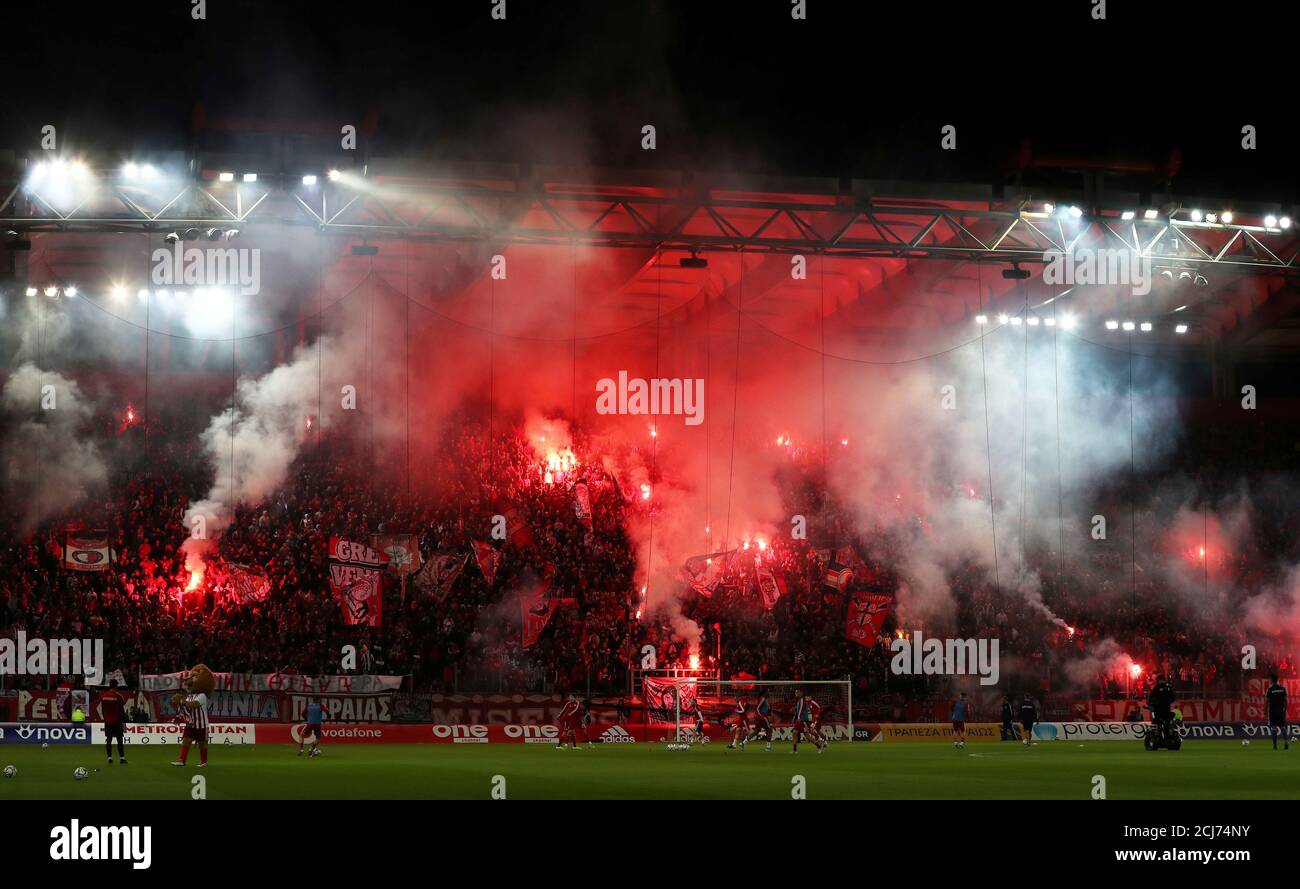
(10, 771)
(1245, 743)
(80, 773)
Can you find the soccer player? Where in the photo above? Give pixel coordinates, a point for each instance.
(960, 714)
(1028, 716)
(584, 722)
(700, 735)
(195, 707)
(568, 721)
(1277, 713)
(815, 721)
(315, 717)
(1008, 716)
(762, 724)
(740, 731)
(113, 707)
(803, 721)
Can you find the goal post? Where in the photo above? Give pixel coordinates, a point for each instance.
(716, 700)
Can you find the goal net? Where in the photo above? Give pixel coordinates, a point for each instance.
(675, 703)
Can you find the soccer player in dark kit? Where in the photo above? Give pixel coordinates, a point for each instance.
(1277, 713)
(112, 705)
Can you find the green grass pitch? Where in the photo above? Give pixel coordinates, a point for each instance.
(1049, 770)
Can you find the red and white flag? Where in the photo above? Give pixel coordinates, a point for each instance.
(771, 586)
(439, 573)
(87, 551)
(517, 530)
(582, 504)
(488, 560)
(703, 572)
(662, 696)
(865, 617)
(400, 552)
(356, 581)
(247, 585)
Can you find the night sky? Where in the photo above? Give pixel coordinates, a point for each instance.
(858, 89)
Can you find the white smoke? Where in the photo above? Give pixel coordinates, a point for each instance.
(54, 461)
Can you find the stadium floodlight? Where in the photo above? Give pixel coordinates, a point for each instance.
(1150, 214)
(250, 177)
(51, 290)
(1146, 327)
(1226, 216)
(1270, 221)
(1050, 322)
(1210, 217)
(226, 177)
(1197, 216)
(309, 179)
(1049, 208)
(1075, 212)
(31, 291)
(334, 175)
(1128, 325)
(981, 319)
(117, 291)
(1284, 222)
(70, 291)
(1002, 319)
(1112, 325)
(1032, 320)
(1016, 321)
(162, 294)
(1069, 322)
(1180, 328)
(1127, 215)
(142, 295)
(130, 170)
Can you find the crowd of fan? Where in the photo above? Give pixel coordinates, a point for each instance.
(468, 637)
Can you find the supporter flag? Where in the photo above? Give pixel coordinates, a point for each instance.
(704, 572)
(400, 552)
(517, 530)
(247, 585)
(660, 697)
(537, 610)
(771, 585)
(847, 555)
(582, 504)
(439, 573)
(355, 581)
(838, 576)
(488, 560)
(865, 618)
(87, 551)
(107, 677)
(612, 480)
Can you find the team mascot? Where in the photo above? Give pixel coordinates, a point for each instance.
(199, 683)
